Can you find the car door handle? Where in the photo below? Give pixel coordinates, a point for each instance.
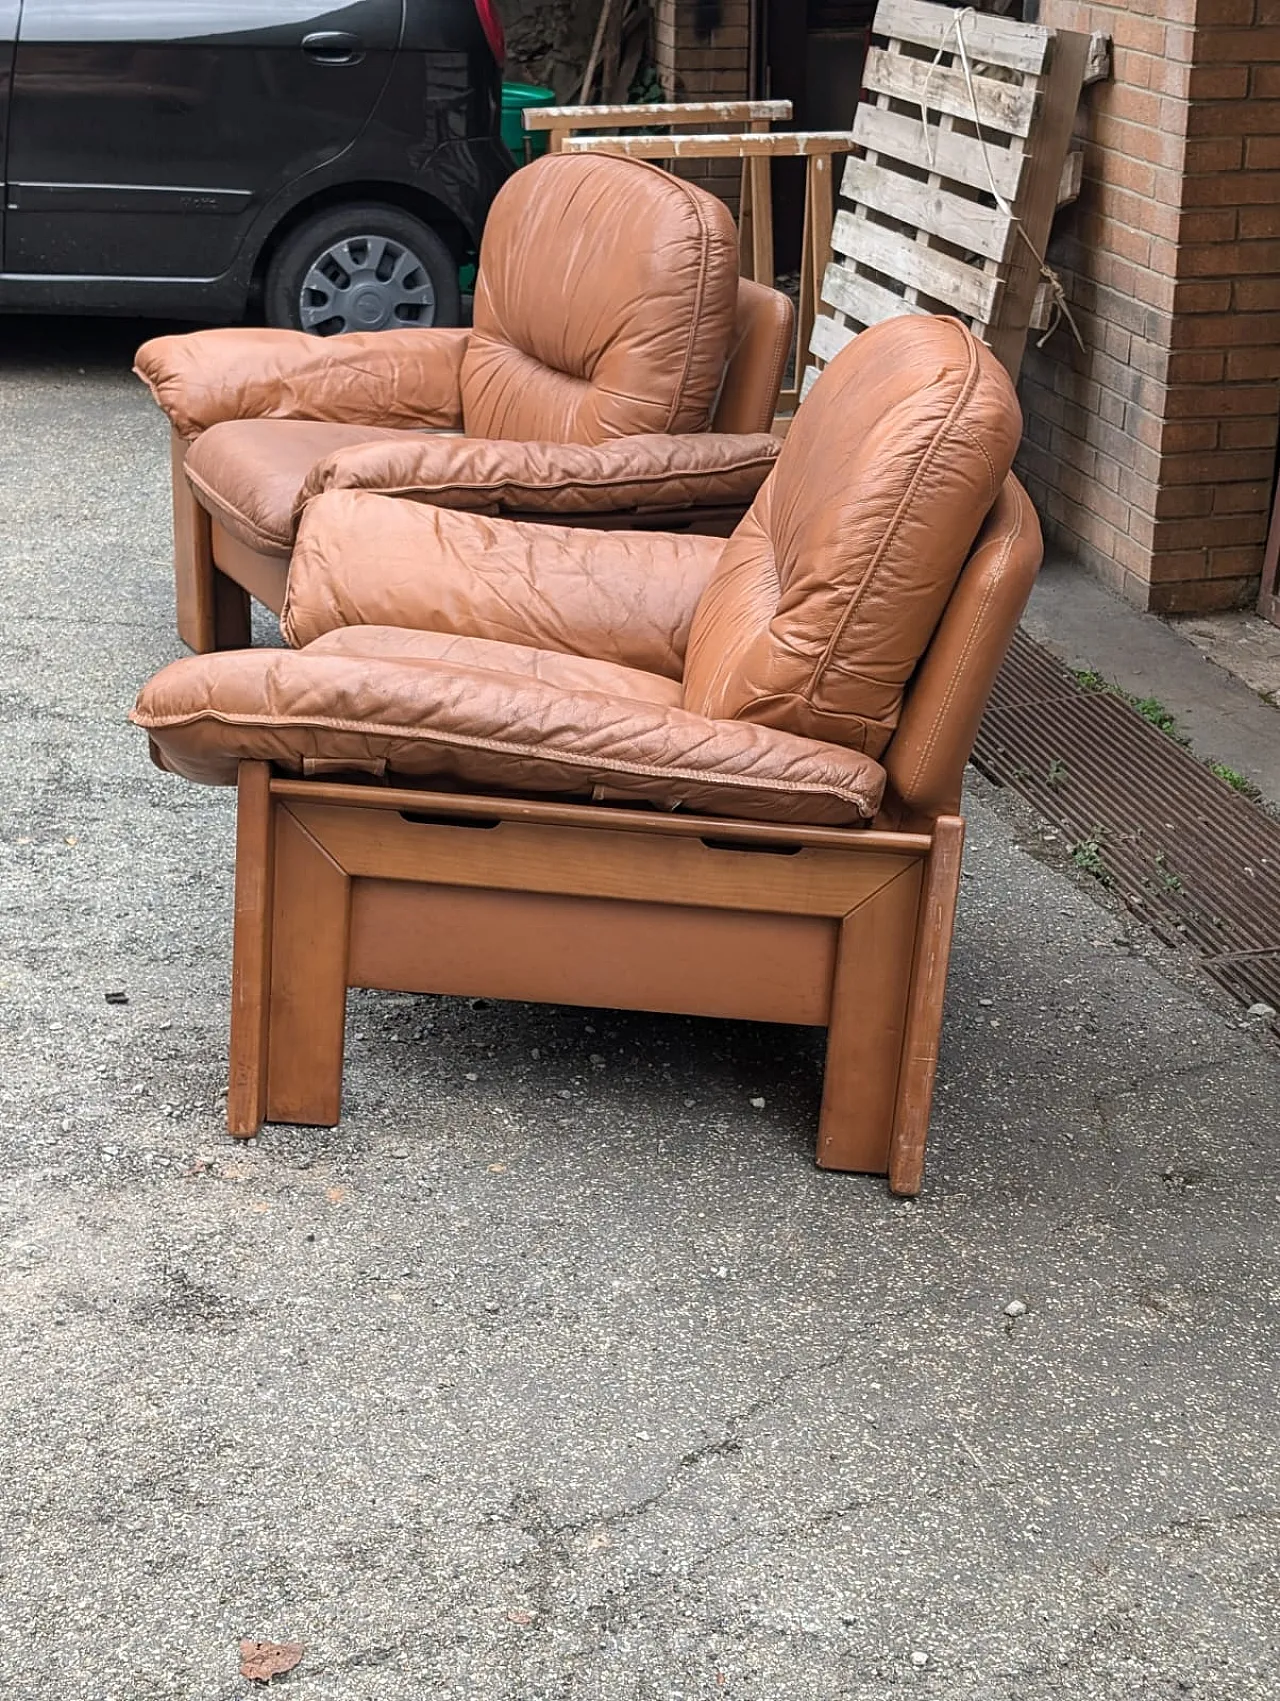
(333, 47)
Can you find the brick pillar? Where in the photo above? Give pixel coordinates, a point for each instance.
(702, 49)
(1151, 455)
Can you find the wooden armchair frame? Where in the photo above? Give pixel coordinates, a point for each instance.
(341, 885)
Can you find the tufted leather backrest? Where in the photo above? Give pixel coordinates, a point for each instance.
(605, 305)
(830, 591)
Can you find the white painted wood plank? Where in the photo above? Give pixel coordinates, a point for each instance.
(955, 156)
(944, 278)
(984, 230)
(829, 338)
(994, 40)
(862, 298)
(1001, 106)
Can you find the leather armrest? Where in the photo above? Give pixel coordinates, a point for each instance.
(395, 378)
(617, 596)
(624, 475)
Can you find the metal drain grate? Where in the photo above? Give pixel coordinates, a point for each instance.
(1197, 861)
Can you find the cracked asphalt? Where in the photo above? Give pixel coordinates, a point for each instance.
(558, 1372)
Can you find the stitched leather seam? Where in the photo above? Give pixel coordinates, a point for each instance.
(695, 321)
(499, 747)
(953, 686)
(963, 431)
(926, 462)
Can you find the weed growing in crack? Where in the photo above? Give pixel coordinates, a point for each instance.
(1087, 856)
(1235, 780)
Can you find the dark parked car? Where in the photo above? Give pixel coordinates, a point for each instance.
(194, 158)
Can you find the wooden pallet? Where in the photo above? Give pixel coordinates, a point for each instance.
(923, 231)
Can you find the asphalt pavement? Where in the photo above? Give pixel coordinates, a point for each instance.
(558, 1372)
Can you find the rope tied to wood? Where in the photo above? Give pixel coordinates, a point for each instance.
(1061, 309)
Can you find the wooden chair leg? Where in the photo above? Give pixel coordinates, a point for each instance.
(867, 1027)
(251, 956)
(213, 611)
(928, 991)
(310, 925)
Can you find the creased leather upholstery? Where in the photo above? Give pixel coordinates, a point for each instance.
(625, 597)
(247, 472)
(444, 645)
(627, 325)
(488, 476)
(382, 378)
(500, 726)
(822, 605)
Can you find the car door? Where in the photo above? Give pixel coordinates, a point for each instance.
(9, 10)
(145, 135)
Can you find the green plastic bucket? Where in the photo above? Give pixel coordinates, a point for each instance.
(515, 98)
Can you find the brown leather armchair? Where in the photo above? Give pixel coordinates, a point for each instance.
(618, 372)
(649, 771)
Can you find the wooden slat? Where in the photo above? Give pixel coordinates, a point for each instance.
(776, 144)
(1039, 201)
(955, 156)
(1001, 106)
(602, 865)
(1072, 177)
(632, 117)
(967, 224)
(862, 298)
(940, 276)
(829, 338)
(993, 40)
(850, 841)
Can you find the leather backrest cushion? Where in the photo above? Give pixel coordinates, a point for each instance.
(605, 304)
(830, 590)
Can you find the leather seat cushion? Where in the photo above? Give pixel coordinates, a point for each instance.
(491, 716)
(248, 472)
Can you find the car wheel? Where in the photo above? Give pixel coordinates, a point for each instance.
(362, 268)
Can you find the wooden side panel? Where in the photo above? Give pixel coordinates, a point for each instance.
(565, 950)
(311, 911)
(867, 1028)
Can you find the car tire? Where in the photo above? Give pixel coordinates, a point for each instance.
(362, 268)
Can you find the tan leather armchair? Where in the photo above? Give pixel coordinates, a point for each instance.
(650, 771)
(618, 372)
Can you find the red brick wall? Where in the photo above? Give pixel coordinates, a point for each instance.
(1151, 455)
(694, 65)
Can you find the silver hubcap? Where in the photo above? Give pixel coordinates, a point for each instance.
(366, 283)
